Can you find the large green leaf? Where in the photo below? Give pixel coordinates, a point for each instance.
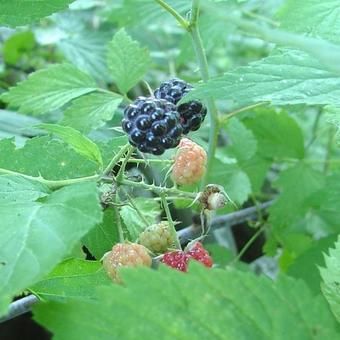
(72, 278)
(35, 236)
(204, 304)
(49, 89)
(81, 144)
(102, 238)
(18, 189)
(278, 134)
(92, 111)
(88, 51)
(235, 181)
(244, 143)
(331, 279)
(285, 77)
(128, 62)
(297, 184)
(318, 18)
(136, 222)
(138, 12)
(306, 265)
(18, 12)
(46, 157)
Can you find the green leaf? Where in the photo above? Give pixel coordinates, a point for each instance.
(133, 221)
(197, 305)
(101, 238)
(92, 111)
(306, 265)
(52, 159)
(278, 134)
(87, 50)
(324, 201)
(244, 143)
(81, 144)
(18, 189)
(297, 184)
(139, 12)
(128, 62)
(331, 279)
(35, 236)
(286, 77)
(317, 18)
(49, 89)
(72, 278)
(16, 45)
(235, 181)
(17, 12)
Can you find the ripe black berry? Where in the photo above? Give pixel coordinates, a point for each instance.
(153, 125)
(192, 113)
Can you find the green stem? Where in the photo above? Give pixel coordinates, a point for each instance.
(204, 69)
(146, 161)
(184, 23)
(247, 245)
(115, 159)
(170, 221)
(119, 224)
(226, 117)
(124, 162)
(158, 190)
(50, 183)
(328, 149)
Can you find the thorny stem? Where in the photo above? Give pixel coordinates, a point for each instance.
(116, 159)
(170, 221)
(158, 190)
(192, 28)
(204, 69)
(49, 183)
(184, 23)
(121, 171)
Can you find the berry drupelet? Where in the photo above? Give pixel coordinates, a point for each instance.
(153, 125)
(192, 113)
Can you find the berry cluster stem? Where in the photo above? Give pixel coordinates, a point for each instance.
(157, 189)
(116, 159)
(170, 221)
(204, 69)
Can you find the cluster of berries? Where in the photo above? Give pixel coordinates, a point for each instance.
(157, 123)
(156, 239)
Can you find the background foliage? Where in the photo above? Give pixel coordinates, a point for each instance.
(68, 68)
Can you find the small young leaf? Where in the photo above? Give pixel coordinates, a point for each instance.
(76, 140)
(49, 89)
(92, 111)
(128, 62)
(102, 238)
(148, 208)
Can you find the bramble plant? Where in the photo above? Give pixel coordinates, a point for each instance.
(170, 168)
